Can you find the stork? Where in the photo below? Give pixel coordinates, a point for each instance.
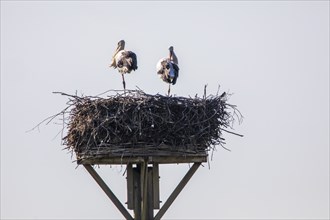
(124, 60)
(168, 68)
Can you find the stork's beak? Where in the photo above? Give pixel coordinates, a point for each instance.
(121, 44)
(113, 61)
(171, 54)
(117, 49)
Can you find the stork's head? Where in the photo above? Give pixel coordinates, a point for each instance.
(121, 45)
(171, 52)
(172, 55)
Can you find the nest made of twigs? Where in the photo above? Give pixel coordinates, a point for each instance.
(134, 123)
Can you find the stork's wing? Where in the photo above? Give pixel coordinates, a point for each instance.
(176, 67)
(161, 66)
(176, 72)
(174, 58)
(131, 59)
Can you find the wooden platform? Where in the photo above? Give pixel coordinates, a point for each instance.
(195, 158)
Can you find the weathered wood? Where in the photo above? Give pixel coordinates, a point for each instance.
(150, 192)
(197, 158)
(144, 183)
(176, 191)
(155, 185)
(148, 186)
(143, 189)
(130, 187)
(107, 191)
(137, 192)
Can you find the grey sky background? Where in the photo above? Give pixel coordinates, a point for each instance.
(273, 57)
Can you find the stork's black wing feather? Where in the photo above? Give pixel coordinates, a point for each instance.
(176, 72)
(131, 58)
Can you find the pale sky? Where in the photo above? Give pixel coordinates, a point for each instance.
(272, 56)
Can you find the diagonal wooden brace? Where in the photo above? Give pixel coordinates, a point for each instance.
(176, 191)
(107, 191)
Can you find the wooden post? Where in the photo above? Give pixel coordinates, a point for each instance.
(130, 187)
(150, 192)
(137, 192)
(155, 185)
(143, 190)
(144, 183)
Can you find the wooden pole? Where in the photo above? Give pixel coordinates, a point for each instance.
(130, 186)
(176, 191)
(150, 195)
(155, 185)
(107, 191)
(137, 192)
(144, 184)
(141, 193)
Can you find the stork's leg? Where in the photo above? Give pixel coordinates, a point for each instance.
(124, 83)
(169, 89)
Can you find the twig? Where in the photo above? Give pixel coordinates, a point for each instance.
(132, 122)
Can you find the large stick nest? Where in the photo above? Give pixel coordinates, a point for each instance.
(134, 123)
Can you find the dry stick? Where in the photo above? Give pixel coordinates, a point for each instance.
(232, 132)
(50, 118)
(204, 96)
(104, 124)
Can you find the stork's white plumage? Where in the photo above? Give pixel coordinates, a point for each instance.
(125, 61)
(168, 68)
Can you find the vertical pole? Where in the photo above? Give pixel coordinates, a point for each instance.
(155, 185)
(144, 183)
(150, 195)
(137, 191)
(130, 186)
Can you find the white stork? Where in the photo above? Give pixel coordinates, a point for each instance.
(168, 69)
(124, 60)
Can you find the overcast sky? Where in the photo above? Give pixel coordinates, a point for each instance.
(272, 56)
